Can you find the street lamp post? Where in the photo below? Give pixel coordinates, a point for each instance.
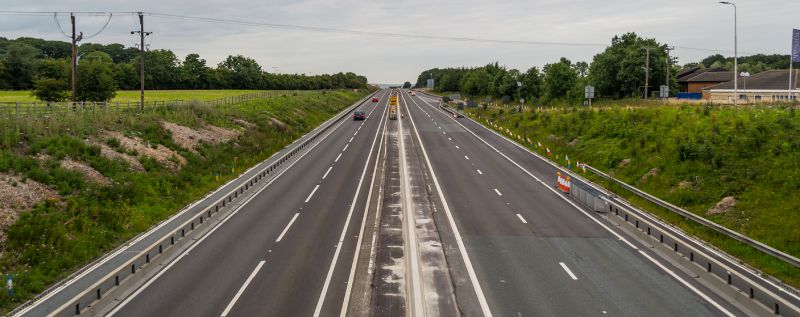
(735, 55)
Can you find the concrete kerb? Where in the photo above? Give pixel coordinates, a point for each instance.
(769, 299)
(117, 277)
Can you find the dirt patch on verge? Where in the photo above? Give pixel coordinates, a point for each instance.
(162, 154)
(725, 205)
(651, 174)
(189, 138)
(90, 173)
(17, 196)
(109, 153)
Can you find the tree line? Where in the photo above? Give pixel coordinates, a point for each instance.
(617, 72)
(44, 67)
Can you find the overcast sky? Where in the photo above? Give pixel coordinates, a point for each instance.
(764, 27)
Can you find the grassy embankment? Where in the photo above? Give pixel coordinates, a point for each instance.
(133, 95)
(695, 156)
(56, 237)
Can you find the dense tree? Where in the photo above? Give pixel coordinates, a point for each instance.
(51, 90)
(619, 70)
(407, 84)
(196, 75)
(96, 78)
(20, 66)
(531, 84)
(243, 71)
(559, 79)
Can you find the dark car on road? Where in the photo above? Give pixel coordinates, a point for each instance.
(375, 99)
(359, 115)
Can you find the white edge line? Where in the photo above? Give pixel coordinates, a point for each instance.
(618, 236)
(521, 219)
(280, 237)
(312, 193)
(327, 283)
(564, 266)
(241, 289)
(459, 241)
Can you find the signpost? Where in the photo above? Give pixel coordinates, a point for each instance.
(588, 93)
(430, 83)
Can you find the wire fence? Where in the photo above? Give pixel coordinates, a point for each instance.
(26, 109)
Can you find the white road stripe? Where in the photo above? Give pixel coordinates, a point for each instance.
(280, 237)
(457, 147)
(241, 289)
(338, 157)
(449, 139)
(564, 266)
(351, 139)
(466, 157)
(326, 173)
(479, 172)
(345, 147)
(312, 193)
(521, 219)
(498, 192)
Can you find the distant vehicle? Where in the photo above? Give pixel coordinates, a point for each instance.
(393, 112)
(375, 99)
(359, 115)
(413, 93)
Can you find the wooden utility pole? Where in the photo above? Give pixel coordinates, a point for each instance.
(75, 40)
(142, 34)
(647, 72)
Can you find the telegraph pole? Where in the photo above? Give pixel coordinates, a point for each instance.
(646, 72)
(669, 64)
(75, 40)
(142, 34)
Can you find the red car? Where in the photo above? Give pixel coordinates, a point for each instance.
(375, 99)
(359, 115)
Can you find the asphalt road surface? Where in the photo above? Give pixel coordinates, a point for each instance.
(518, 248)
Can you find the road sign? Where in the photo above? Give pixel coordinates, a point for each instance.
(588, 92)
(430, 83)
(664, 91)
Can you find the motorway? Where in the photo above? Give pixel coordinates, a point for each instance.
(474, 219)
(533, 252)
(286, 252)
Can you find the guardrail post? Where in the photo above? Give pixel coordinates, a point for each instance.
(661, 239)
(183, 233)
(201, 219)
(160, 249)
(708, 267)
(637, 223)
(676, 247)
(209, 213)
(626, 217)
(648, 231)
(730, 278)
(147, 258)
(752, 293)
(172, 240)
(77, 308)
(98, 294)
(133, 268)
(192, 225)
(777, 309)
(691, 256)
(116, 280)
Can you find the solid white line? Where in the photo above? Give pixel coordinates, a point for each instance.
(521, 219)
(498, 192)
(280, 237)
(345, 147)
(218, 225)
(466, 157)
(338, 157)
(459, 240)
(479, 172)
(326, 173)
(321, 300)
(312, 193)
(615, 234)
(241, 289)
(564, 266)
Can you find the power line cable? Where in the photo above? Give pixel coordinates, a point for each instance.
(55, 18)
(101, 29)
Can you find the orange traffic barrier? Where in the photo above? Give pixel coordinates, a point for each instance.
(564, 183)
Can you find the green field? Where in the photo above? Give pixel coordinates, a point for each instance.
(691, 156)
(57, 237)
(133, 95)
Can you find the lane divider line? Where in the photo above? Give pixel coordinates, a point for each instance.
(337, 158)
(479, 172)
(521, 219)
(564, 266)
(498, 192)
(280, 237)
(345, 147)
(312, 193)
(328, 171)
(241, 289)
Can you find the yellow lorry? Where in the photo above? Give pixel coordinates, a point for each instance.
(393, 107)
